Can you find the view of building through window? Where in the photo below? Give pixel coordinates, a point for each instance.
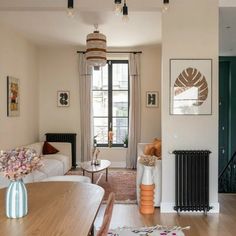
(111, 102)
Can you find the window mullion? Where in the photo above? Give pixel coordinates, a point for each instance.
(109, 95)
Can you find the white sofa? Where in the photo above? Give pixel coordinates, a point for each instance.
(156, 176)
(53, 165)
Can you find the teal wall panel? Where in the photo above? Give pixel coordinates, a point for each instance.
(227, 122)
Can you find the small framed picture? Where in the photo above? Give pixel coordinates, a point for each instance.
(152, 99)
(13, 96)
(63, 98)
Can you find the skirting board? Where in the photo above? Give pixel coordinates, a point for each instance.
(167, 207)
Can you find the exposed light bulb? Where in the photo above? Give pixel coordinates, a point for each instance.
(71, 12)
(165, 5)
(70, 8)
(125, 18)
(118, 8)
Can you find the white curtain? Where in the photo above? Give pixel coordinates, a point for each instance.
(85, 83)
(134, 110)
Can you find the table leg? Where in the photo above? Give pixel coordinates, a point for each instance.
(92, 178)
(92, 231)
(83, 172)
(106, 174)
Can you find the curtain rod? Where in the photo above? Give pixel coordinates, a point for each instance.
(135, 52)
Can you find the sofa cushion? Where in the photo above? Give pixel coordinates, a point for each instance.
(52, 167)
(49, 149)
(38, 175)
(154, 148)
(29, 178)
(4, 182)
(68, 178)
(37, 147)
(61, 157)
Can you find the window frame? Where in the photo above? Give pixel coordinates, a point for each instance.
(110, 101)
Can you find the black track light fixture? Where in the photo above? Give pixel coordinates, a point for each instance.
(70, 4)
(117, 1)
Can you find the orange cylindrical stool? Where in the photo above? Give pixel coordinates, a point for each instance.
(147, 199)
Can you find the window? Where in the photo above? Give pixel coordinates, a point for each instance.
(111, 102)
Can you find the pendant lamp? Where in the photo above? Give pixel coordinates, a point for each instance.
(96, 49)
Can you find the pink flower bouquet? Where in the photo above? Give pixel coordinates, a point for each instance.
(19, 162)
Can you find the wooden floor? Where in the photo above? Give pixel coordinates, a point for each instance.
(223, 224)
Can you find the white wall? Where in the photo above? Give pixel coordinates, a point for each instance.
(190, 30)
(58, 70)
(18, 58)
(150, 81)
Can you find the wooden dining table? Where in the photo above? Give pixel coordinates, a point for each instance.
(55, 209)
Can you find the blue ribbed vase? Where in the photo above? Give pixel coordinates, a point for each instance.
(16, 199)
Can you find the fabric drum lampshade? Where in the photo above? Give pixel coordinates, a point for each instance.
(96, 49)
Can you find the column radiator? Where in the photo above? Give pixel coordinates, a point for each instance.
(192, 180)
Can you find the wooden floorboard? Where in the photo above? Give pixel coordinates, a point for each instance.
(223, 224)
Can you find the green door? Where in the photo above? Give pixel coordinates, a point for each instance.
(223, 115)
(227, 123)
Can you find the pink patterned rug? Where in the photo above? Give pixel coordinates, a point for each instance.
(120, 181)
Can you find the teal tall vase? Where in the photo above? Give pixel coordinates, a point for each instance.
(16, 199)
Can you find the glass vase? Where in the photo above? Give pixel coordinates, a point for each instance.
(16, 199)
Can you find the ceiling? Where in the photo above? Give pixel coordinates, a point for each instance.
(45, 22)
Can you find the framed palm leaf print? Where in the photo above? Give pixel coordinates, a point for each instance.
(190, 86)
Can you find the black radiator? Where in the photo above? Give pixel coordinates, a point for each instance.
(192, 180)
(67, 138)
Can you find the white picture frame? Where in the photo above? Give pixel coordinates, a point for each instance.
(190, 86)
(63, 98)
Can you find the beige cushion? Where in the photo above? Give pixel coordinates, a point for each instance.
(52, 167)
(37, 147)
(62, 158)
(38, 175)
(64, 149)
(72, 178)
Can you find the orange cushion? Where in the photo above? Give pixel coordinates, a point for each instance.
(153, 149)
(149, 150)
(157, 146)
(49, 149)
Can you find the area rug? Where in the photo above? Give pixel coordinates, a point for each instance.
(149, 231)
(120, 181)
